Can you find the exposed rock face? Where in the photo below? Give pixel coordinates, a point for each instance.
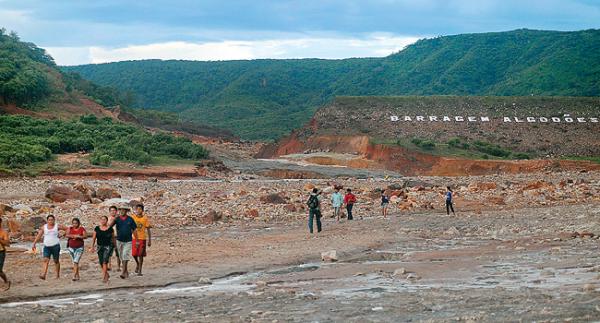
(354, 126)
(61, 193)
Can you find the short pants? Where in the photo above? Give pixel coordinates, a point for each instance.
(76, 254)
(2, 257)
(138, 248)
(124, 250)
(104, 253)
(53, 251)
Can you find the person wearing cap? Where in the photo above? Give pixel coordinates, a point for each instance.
(126, 229)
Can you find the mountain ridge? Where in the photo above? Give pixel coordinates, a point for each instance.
(266, 99)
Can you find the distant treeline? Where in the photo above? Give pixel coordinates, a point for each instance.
(265, 99)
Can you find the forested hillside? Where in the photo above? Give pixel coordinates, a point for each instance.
(60, 122)
(265, 99)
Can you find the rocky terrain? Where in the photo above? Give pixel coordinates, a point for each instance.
(520, 245)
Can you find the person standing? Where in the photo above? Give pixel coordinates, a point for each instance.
(139, 242)
(50, 231)
(75, 234)
(113, 213)
(4, 243)
(337, 200)
(385, 202)
(449, 204)
(125, 229)
(349, 200)
(105, 236)
(314, 209)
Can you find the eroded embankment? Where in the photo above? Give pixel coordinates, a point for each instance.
(380, 156)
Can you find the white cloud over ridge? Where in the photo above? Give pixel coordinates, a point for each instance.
(376, 45)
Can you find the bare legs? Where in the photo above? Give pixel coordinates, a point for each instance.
(139, 262)
(6, 281)
(45, 268)
(105, 274)
(125, 273)
(75, 271)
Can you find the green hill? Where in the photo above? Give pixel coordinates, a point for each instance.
(66, 113)
(265, 99)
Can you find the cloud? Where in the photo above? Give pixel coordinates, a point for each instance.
(332, 48)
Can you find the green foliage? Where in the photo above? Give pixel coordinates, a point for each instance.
(23, 70)
(491, 149)
(265, 99)
(424, 143)
(25, 140)
(454, 142)
(416, 141)
(98, 158)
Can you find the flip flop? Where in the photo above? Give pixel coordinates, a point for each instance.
(122, 276)
(42, 277)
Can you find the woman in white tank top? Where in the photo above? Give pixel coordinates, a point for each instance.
(50, 231)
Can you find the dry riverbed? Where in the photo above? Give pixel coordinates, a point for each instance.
(534, 260)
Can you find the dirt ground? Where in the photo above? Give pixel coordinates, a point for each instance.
(525, 264)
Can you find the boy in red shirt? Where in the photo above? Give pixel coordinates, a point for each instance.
(349, 200)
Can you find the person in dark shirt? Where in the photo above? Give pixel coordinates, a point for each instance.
(126, 228)
(385, 202)
(105, 236)
(449, 205)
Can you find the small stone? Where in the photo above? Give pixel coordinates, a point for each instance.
(204, 281)
(330, 256)
(399, 272)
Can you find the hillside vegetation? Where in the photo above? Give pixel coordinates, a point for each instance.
(265, 99)
(26, 140)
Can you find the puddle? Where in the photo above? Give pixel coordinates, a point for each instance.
(60, 302)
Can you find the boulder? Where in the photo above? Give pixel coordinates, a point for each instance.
(5, 209)
(274, 198)
(116, 201)
(482, 186)
(22, 209)
(290, 208)
(59, 194)
(253, 213)
(330, 256)
(86, 189)
(211, 217)
(105, 193)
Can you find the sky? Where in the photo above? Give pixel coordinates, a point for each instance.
(90, 31)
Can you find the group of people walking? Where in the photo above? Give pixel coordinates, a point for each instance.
(133, 236)
(337, 201)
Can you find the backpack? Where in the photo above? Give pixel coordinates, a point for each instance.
(313, 202)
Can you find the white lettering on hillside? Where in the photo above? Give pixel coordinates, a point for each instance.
(567, 119)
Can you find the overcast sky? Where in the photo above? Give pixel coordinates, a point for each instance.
(81, 31)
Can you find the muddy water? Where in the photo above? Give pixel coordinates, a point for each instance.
(412, 280)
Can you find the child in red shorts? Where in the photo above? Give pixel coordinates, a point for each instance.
(141, 240)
